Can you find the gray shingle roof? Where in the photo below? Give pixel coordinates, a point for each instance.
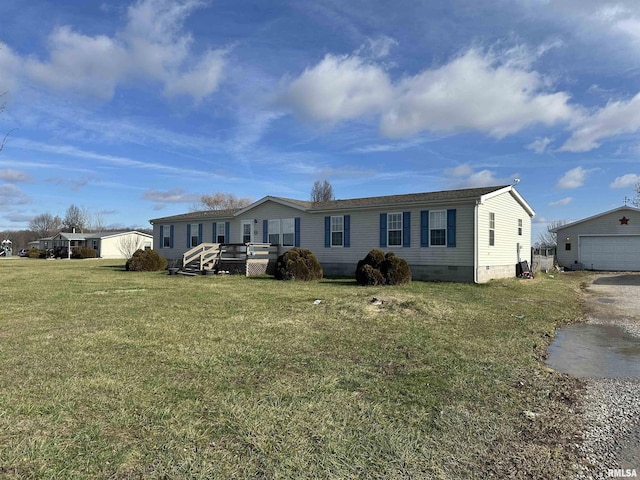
(405, 199)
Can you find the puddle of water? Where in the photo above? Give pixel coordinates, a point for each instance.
(595, 351)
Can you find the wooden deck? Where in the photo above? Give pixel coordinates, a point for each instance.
(238, 258)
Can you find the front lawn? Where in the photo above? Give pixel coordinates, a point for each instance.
(113, 374)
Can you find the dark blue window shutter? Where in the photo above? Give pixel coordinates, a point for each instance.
(265, 231)
(188, 235)
(327, 232)
(161, 236)
(406, 229)
(199, 233)
(171, 236)
(214, 233)
(451, 227)
(227, 228)
(347, 231)
(383, 230)
(424, 228)
(296, 241)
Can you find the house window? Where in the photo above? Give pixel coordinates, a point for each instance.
(95, 244)
(492, 229)
(394, 229)
(193, 239)
(438, 227)
(281, 232)
(287, 225)
(247, 225)
(567, 246)
(220, 231)
(166, 236)
(274, 232)
(337, 231)
(519, 226)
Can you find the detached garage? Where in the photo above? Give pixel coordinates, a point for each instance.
(609, 241)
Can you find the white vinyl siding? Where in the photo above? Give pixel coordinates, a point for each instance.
(438, 228)
(394, 229)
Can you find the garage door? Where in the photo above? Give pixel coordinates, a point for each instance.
(615, 253)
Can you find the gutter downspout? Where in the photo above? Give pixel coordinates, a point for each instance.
(476, 243)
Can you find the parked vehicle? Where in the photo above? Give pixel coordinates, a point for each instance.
(23, 252)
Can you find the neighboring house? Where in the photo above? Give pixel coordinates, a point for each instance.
(106, 244)
(607, 241)
(470, 235)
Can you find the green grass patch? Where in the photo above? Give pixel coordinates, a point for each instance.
(114, 374)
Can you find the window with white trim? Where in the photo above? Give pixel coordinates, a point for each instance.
(520, 226)
(337, 231)
(166, 236)
(193, 239)
(281, 231)
(394, 229)
(274, 232)
(492, 229)
(287, 226)
(438, 228)
(220, 233)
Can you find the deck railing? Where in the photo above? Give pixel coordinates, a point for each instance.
(253, 258)
(206, 254)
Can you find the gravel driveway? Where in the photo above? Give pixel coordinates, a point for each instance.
(612, 406)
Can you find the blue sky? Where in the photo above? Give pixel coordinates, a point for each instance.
(132, 110)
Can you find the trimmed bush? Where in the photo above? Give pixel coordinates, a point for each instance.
(395, 270)
(380, 269)
(34, 253)
(84, 252)
(298, 264)
(146, 261)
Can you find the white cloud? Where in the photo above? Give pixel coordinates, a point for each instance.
(539, 145)
(463, 176)
(561, 202)
(614, 119)
(573, 178)
(12, 195)
(152, 46)
(474, 92)
(11, 175)
(202, 80)
(625, 181)
(11, 67)
(175, 195)
(339, 88)
(498, 96)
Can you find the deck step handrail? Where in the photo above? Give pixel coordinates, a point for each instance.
(205, 253)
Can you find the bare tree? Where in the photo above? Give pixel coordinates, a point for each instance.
(45, 225)
(549, 238)
(321, 192)
(636, 201)
(97, 225)
(76, 218)
(6, 135)
(129, 244)
(222, 201)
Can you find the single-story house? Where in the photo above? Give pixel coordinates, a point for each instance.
(106, 244)
(469, 235)
(606, 241)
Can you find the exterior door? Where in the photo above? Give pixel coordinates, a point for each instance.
(246, 232)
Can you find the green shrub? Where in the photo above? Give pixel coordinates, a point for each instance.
(380, 269)
(395, 270)
(34, 253)
(146, 261)
(84, 252)
(298, 264)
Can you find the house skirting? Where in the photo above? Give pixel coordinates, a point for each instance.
(433, 273)
(494, 272)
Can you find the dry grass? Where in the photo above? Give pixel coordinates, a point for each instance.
(114, 374)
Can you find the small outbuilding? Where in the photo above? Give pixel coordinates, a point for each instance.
(609, 241)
